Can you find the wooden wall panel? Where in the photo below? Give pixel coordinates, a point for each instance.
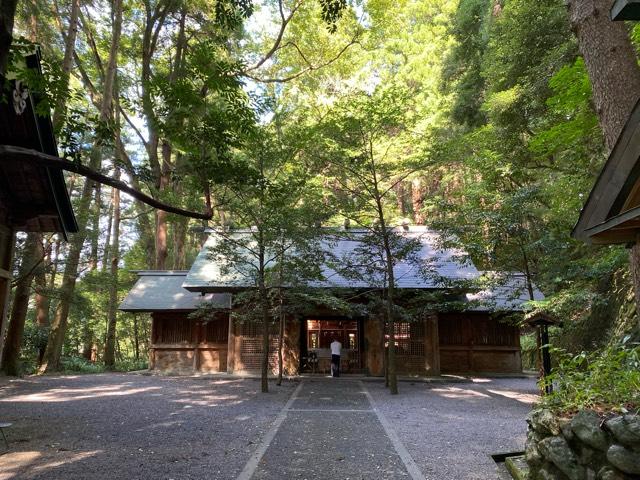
(181, 345)
(478, 342)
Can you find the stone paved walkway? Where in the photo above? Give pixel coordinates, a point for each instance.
(330, 429)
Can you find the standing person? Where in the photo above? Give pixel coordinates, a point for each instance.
(336, 347)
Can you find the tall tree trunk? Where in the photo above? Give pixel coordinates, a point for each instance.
(7, 15)
(611, 62)
(107, 241)
(612, 65)
(144, 224)
(87, 331)
(31, 260)
(95, 229)
(417, 200)
(162, 249)
(281, 327)
(42, 300)
(67, 63)
(51, 360)
(264, 306)
(109, 348)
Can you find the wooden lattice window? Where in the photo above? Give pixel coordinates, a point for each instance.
(452, 331)
(173, 330)
(410, 347)
(216, 331)
(409, 339)
(251, 346)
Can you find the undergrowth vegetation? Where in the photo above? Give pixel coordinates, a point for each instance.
(603, 380)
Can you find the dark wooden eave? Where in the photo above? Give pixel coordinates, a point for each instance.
(609, 213)
(625, 10)
(33, 197)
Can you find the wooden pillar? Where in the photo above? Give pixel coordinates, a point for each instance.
(432, 345)
(195, 337)
(7, 242)
(374, 346)
(231, 347)
(152, 350)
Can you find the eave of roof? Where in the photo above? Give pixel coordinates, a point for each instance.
(605, 199)
(38, 135)
(623, 10)
(161, 291)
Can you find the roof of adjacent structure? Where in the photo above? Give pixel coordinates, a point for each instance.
(436, 265)
(610, 214)
(162, 291)
(505, 292)
(35, 197)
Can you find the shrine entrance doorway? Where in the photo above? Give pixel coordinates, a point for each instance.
(316, 337)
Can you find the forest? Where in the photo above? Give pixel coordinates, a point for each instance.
(478, 115)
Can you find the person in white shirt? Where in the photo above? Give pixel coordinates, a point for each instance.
(336, 347)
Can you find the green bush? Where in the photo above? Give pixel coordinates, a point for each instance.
(80, 365)
(606, 380)
(529, 351)
(131, 365)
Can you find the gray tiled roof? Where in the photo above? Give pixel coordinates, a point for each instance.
(443, 264)
(507, 292)
(162, 290)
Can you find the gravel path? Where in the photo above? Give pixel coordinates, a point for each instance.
(451, 430)
(117, 426)
(146, 427)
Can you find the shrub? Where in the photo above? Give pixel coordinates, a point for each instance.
(80, 365)
(603, 380)
(131, 365)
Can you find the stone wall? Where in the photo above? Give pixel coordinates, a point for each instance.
(583, 447)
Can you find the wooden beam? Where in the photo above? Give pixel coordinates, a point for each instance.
(10, 153)
(625, 10)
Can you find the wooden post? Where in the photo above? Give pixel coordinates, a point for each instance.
(432, 345)
(546, 356)
(152, 350)
(196, 345)
(231, 347)
(7, 242)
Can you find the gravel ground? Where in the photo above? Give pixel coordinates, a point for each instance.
(331, 432)
(451, 430)
(118, 426)
(113, 426)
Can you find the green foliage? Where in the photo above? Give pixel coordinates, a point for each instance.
(131, 365)
(529, 351)
(606, 380)
(80, 365)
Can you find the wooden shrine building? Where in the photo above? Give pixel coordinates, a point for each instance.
(477, 338)
(33, 198)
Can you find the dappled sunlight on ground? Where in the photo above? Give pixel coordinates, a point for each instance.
(481, 380)
(455, 392)
(69, 394)
(523, 397)
(14, 465)
(110, 426)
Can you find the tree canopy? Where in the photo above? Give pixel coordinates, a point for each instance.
(474, 117)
